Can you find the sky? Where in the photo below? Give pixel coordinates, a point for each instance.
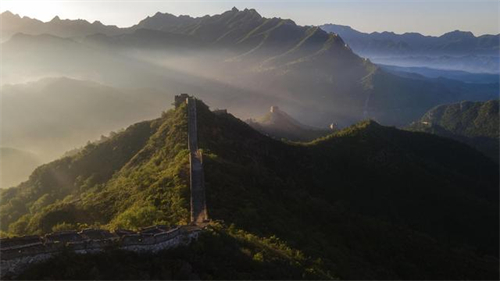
(429, 17)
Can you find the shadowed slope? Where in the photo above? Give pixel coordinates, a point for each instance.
(366, 202)
(340, 197)
(474, 123)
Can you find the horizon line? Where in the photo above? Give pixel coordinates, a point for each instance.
(214, 14)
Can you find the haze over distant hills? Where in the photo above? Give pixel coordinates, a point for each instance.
(16, 165)
(12, 24)
(237, 60)
(425, 72)
(54, 115)
(457, 50)
(278, 124)
(369, 201)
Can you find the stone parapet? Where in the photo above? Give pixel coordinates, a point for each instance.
(17, 253)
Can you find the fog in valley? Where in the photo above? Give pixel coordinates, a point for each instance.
(64, 85)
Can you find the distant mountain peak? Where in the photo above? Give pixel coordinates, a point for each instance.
(9, 14)
(160, 14)
(277, 116)
(234, 9)
(457, 34)
(278, 124)
(55, 19)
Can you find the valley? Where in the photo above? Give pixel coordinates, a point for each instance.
(240, 145)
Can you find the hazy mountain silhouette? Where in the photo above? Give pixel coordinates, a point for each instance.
(278, 124)
(53, 115)
(13, 23)
(458, 50)
(240, 61)
(451, 43)
(463, 76)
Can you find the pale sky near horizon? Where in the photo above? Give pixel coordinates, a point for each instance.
(425, 16)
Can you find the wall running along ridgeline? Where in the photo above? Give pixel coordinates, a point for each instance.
(197, 178)
(18, 253)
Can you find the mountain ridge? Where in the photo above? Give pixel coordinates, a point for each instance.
(456, 50)
(345, 189)
(226, 53)
(457, 31)
(474, 123)
(409, 37)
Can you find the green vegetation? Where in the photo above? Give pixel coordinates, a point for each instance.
(368, 202)
(220, 253)
(474, 123)
(136, 178)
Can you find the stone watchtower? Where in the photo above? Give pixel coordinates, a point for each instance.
(180, 99)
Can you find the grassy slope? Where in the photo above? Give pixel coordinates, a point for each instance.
(135, 178)
(366, 202)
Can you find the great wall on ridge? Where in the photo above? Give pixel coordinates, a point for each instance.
(18, 253)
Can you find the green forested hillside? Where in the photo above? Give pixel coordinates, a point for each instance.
(474, 123)
(368, 202)
(130, 180)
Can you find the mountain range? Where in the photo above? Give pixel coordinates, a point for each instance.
(426, 72)
(458, 50)
(70, 81)
(12, 24)
(367, 202)
(237, 60)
